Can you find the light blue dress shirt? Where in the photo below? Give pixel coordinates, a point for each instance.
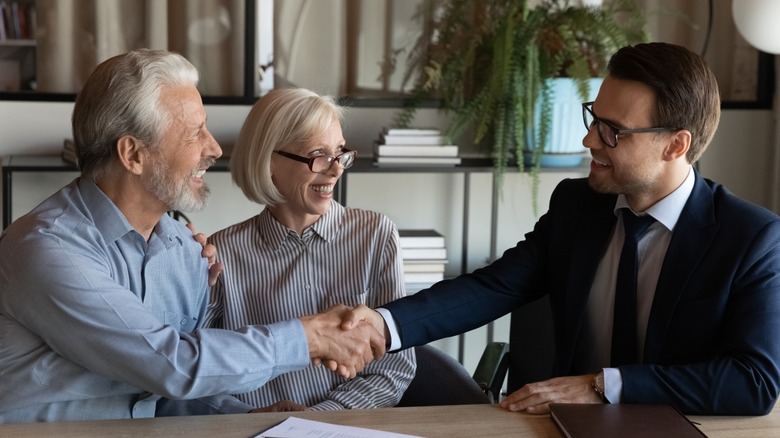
(96, 322)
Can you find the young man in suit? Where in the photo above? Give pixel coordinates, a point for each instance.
(705, 317)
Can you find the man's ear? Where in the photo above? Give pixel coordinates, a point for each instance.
(678, 145)
(131, 153)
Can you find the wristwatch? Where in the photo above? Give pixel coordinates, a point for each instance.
(598, 386)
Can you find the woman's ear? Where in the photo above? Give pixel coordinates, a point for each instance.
(130, 151)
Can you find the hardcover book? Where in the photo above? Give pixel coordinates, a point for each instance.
(420, 239)
(432, 254)
(414, 140)
(418, 161)
(410, 131)
(416, 151)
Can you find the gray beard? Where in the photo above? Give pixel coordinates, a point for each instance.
(177, 195)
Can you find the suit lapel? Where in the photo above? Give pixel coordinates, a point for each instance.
(692, 235)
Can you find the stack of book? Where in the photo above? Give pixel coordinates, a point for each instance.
(414, 146)
(424, 256)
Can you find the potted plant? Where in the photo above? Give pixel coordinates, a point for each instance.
(493, 64)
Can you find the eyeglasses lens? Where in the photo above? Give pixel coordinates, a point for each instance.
(606, 133)
(325, 162)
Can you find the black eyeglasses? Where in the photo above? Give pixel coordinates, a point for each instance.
(608, 133)
(323, 163)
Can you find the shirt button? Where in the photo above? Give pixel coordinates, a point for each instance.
(183, 321)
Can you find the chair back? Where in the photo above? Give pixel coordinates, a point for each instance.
(441, 380)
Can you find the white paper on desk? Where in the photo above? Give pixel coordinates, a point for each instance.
(294, 427)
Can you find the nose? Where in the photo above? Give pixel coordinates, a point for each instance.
(591, 139)
(336, 169)
(212, 148)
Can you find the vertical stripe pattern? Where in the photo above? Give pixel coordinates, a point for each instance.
(350, 256)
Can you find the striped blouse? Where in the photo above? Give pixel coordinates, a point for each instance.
(271, 273)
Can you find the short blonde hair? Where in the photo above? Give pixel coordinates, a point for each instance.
(284, 116)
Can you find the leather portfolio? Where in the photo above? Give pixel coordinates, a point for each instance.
(621, 421)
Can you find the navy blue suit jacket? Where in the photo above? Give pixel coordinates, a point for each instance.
(713, 335)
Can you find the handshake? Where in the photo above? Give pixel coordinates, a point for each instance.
(345, 339)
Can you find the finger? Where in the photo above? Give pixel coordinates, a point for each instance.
(518, 400)
(378, 344)
(214, 271)
(354, 316)
(209, 251)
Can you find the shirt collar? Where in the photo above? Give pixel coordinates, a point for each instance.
(109, 221)
(276, 234)
(667, 211)
(112, 223)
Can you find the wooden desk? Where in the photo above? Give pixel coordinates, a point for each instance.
(434, 421)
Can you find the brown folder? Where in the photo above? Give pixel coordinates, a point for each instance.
(621, 420)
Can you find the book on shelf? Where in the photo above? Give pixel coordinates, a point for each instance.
(7, 17)
(621, 420)
(412, 140)
(383, 150)
(3, 32)
(431, 254)
(15, 22)
(424, 266)
(410, 131)
(420, 239)
(423, 277)
(69, 152)
(413, 288)
(417, 161)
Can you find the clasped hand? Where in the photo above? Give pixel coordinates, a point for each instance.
(344, 351)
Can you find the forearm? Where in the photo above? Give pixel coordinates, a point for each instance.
(721, 387)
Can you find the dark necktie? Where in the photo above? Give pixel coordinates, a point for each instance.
(624, 319)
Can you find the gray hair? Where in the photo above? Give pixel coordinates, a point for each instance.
(284, 116)
(121, 97)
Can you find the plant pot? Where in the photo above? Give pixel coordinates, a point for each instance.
(564, 146)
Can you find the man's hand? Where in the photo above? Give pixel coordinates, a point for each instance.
(535, 398)
(346, 352)
(281, 406)
(210, 253)
(362, 313)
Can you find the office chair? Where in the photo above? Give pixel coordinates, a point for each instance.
(441, 380)
(527, 358)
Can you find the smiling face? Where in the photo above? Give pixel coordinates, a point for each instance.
(641, 164)
(186, 149)
(307, 194)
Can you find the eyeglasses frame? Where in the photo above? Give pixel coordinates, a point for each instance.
(310, 160)
(587, 106)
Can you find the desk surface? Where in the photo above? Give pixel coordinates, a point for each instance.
(434, 421)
